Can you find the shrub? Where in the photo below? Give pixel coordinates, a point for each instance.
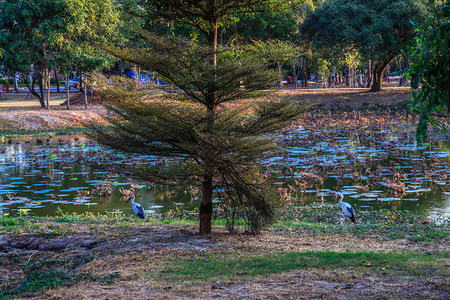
(3, 81)
(11, 80)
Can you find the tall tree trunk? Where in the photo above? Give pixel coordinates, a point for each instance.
(404, 80)
(377, 85)
(369, 74)
(137, 74)
(57, 82)
(206, 207)
(304, 79)
(85, 95)
(30, 86)
(48, 89)
(16, 84)
(67, 91)
(279, 75)
(41, 90)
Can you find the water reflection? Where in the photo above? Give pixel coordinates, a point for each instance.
(42, 175)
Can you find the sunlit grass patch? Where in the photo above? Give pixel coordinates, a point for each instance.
(218, 266)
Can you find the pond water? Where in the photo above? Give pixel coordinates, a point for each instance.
(46, 175)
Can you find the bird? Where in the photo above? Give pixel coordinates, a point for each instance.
(346, 208)
(138, 210)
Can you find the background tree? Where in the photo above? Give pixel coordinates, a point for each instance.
(266, 26)
(378, 29)
(323, 70)
(274, 52)
(430, 68)
(174, 123)
(300, 64)
(352, 61)
(39, 36)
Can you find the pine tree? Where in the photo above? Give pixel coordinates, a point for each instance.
(223, 150)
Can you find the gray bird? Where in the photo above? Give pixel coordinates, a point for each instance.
(138, 210)
(346, 208)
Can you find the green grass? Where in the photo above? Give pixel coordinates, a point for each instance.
(383, 224)
(226, 266)
(38, 225)
(374, 224)
(9, 222)
(39, 272)
(415, 232)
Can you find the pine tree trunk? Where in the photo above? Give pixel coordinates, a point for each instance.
(206, 207)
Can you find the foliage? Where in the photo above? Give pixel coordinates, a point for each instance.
(190, 121)
(323, 68)
(206, 15)
(274, 52)
(430, 69)
(38, 36)
(378, 29)
(266, 26)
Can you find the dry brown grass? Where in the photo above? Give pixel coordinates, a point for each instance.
(22, 114)
(138, 251)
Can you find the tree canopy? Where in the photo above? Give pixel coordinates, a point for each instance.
(38, 36)
(380, 30)
(431, 70)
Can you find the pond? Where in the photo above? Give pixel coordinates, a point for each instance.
(46, 175)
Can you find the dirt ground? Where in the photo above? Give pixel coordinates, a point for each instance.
(27, 115)
(141, 250)
(20, 114)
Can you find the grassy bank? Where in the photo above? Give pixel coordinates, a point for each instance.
(58, 256)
